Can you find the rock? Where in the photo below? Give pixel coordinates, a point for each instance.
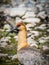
(29, 25)
(34, 45)
(18, 19)
(46, 50)
(35, 33)
(7, 11)
(47, 30)
(47, 10)
(16, 37)
(29, 34)
(32, 20)
(3, 44)
(42, 40)
(15, 11)
(10, 21)
(14, 57)
(7, 26)
(28, 29)
(31, 41)
(4, 39)
(22, 5)
(42, 14)
(40, 7)
(41, 27)
(29, 14)
(3, 55)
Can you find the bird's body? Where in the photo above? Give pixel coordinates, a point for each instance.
(28, 55)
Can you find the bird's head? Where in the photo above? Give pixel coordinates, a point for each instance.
(20, 26)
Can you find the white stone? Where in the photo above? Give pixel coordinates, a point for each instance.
(34, 45)
(15, 11)
(29, 14)
(22, 5)
(39, 6)
(42, 27)
(4, 44)
(30, 41)
(7, 26)
(29, 25)
(7, 11)
(14, 57)
(32, 20)
(45, 48)
(28, 34)
(16, 37)
(5, 39)
(35, 33)
(2, 54)
(28, 29)
(42, 14)
(47, 30)
(42, 40)
(18, 19)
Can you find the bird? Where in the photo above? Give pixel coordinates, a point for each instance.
(28, 55)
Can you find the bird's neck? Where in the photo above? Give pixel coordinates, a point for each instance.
(22, 39)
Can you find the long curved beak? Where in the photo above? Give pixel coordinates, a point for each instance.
(15, 30)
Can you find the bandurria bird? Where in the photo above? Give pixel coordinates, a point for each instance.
(28, 55)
